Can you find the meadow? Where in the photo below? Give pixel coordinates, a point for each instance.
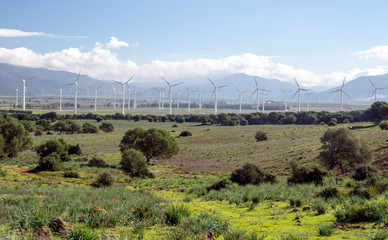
(178, 203)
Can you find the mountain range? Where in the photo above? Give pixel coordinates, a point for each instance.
(48, 82)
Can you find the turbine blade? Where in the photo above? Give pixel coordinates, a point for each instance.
(78, 75)
(129, 79)
(223, 86)
(211, 82)
(295, 93)
(99, 86)
(346, 94)
(336, 91)
(372, 83)
(18, 76)
(343, 83)
(257, 85)
(31, 78)
(297, 84)
(253, 93)
(177, 84)
(166, 81)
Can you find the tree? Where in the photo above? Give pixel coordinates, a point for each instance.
(13, 137)
(106, 127)
(378, 111)
(134, 163)
(251, 174)
(340, 148)
(152, 143)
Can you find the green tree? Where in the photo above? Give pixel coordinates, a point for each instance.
(89, 128)
(378, 111)
(152, 142)
(13, 137)
(54, 146)
(340, 148)
(134, 163)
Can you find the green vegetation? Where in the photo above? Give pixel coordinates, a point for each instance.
(134, 163)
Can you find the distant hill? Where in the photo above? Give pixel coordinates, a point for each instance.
(48, 82)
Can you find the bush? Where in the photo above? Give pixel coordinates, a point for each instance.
(332, 122)
(71, 174)
(75, 149)
(104, 179)
(106, 127)
(325, 230)
(329, 192)
(362, 211)
(306, 175)
(261, 136)
(185, 134)
(379, 235)
(383, 125)
(38, 132)
(320, 206)
(97, 162)
(54, 146)
(13, 137)
(366, 172)
(3, 172)
(175, 213)
(219, 185)
(134, 163)
(251, 174)
(50, 162)
(89, 128)
(81, 233)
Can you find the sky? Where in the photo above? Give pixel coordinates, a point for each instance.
(317, 42)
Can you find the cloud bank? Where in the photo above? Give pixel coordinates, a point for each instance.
(380, 52)
(102, 63)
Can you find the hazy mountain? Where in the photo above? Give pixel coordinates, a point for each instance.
(48, 82)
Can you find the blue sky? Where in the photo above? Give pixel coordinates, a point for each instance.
(318, 42)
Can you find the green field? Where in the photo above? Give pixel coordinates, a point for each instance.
(30, 199)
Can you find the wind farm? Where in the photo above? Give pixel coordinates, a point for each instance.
(181, 120)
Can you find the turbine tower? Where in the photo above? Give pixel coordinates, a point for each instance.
(177, 102)
(115, 96)
(76, 86)
(240, 96)
(285, 98)
(298, 92)
(257, 91)
(264, 92)
(123, 84)
(95, 97)
(308, 99)
(188, 96)
(17, 97)
(129, 98)
(342, 92)
(160, 98)
(24, 90)
(134, 98)
(170, 92)
(375, 91)
(215, 93)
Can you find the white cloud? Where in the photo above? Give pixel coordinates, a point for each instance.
(100, 62)
(17, 33)
(380, 52)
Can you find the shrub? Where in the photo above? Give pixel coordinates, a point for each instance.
(106, 127)
(175, 213)
(38, 132)
(3, 172)
(81, 233)
(54, 146)
(50, 162)
(134, 163)
(97, 162)
(71, 174)
(297, 202)
(332, 122)
(89, 128)
(219, 185)
(13, 137)
(362, 211)
(75, 149)
(365, 172)
(104, 179)
(305, 175)
(325, 230)
(383, 125)
(320, 206)
(329, 192)
(185, 134)
(261, 136)
(379, 235)
(251, 174)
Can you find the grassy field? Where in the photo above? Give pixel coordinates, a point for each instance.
(209, 155)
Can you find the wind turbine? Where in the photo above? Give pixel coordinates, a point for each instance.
(123, 84)
(129, 98)
(17, 97)
(170, 92)
(257, 94)
(285, 98)
(188, 95)
(375, 91)
(264, 94)
(24, 90)
(160, 91)
(308, 99)
(95, 97)
(215, 93)
(134, 98)
(76, 86)
(298, 92)
(200, 99)
(177, 103)
(342, 92)
(240, 96)
(115, 96)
